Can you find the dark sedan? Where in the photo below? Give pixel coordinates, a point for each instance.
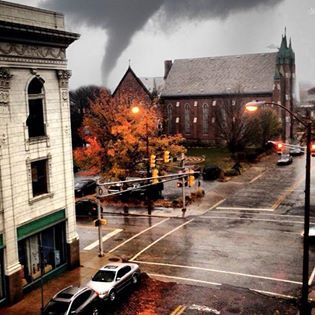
(86, 207)
(84, 187)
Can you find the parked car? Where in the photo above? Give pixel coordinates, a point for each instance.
(73, 300)
(111, 279)
(211, 172)
(84, 187)
(136, 189)
(311, 233)
(285, 159)
(296, 151)
(86, 207)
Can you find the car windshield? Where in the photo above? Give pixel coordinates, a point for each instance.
(104, 276)
(56, 307)
(80, 184)
(284, 156)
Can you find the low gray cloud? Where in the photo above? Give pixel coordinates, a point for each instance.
(122, 19)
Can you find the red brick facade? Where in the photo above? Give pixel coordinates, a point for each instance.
(131, 87)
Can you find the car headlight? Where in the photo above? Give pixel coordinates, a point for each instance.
(103, 294)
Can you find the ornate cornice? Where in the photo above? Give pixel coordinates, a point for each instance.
(32, 51)
(63, 77)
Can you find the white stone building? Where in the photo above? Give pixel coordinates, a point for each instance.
(37, 218)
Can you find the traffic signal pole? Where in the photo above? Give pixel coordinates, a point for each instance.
(183, 185)
(100, 236)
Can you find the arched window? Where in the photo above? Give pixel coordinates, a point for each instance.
(35, 120)
(187, 119)
(205, 118)
(169, 119)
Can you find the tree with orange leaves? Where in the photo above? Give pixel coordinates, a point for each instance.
(123, 136)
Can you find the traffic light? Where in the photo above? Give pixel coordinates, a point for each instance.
(180, 183)
(155, 174)
(279, 147)
(166, 156)
(99, 222)
(313, 148)
(152, 161)
(191, 180)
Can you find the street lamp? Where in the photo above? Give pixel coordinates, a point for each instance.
(136, 110)
(305, 307)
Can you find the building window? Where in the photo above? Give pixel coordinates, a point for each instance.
(233, 102)
(169, 118)
(205, 118)
(35, 120)
(213, 120)
(214, 103)
(187, 119)
(177, 120)
(39, 177)
(46, 247)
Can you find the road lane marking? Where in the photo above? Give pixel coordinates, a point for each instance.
(216, 204)
(289, 190)
(121, 216)
(104, 238)
(255, 178)
(218, 271)
(310, 280)
(204, 309)
(133, 237)
(159, 239)
(218, 284)
(262, 214)
(286, 193)
(275, 294)
(253, 219)
(179, 310)
(245, 209)
(184, 279)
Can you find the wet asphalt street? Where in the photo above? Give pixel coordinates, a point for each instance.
(250, 238)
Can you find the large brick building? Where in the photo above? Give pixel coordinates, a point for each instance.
(194, 88)
(37, 221)
(136, 89)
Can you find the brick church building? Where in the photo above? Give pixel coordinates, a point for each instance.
(192, 89)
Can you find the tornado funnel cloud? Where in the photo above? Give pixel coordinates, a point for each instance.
(122, 19)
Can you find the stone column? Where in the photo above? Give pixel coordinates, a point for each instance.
(12, 264)
(71, 233)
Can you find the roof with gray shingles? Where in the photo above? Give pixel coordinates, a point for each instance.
(252, 73)
(153, 84)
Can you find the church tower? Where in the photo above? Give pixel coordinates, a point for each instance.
(285, 80)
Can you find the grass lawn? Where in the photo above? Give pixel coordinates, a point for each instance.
(218, 156)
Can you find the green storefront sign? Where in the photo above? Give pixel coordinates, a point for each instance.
(40, 224)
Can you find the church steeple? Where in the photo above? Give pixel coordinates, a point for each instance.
(285, 54)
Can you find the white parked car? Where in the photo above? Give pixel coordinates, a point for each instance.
(296, 150)
(113, 278)
(285, 159)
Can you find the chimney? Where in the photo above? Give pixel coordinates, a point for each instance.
(167, 67)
